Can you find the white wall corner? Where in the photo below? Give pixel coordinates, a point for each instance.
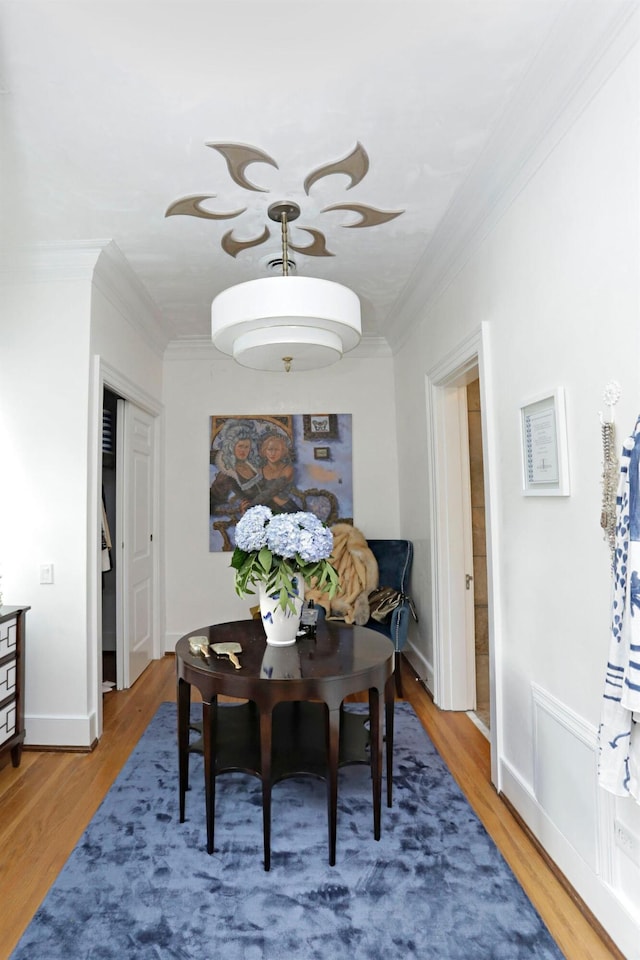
(170, 641)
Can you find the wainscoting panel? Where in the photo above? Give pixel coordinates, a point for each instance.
(565, 760)
(574, 819)
(626, 843)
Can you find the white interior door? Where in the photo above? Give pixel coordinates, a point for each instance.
(454, 650)
(136, 512)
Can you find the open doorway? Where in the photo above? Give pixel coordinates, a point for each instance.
(109, 556)
(463, 573)
(132, 465)
(482, 710)
(129, 621)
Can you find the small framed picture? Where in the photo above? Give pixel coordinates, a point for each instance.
(321, 453)
(320, 426)
(543, 427)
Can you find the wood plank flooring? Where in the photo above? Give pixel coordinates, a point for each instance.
(46, 804)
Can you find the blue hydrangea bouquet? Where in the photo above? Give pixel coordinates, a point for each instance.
(275, 549)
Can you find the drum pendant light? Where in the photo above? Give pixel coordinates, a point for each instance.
(286, 323)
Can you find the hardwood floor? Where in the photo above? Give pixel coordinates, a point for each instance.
(48, 801)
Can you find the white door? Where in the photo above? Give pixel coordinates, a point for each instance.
(454, 652)
(136, 503)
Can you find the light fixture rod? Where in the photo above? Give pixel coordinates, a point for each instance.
(285, 245)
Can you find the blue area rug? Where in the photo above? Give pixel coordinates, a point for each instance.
(141, 885)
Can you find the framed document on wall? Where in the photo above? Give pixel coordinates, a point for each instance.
(543, 425)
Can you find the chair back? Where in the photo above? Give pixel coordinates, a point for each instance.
(394, 558)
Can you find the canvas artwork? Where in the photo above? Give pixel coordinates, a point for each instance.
(288, 462)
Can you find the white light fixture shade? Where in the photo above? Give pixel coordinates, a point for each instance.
(263, 324)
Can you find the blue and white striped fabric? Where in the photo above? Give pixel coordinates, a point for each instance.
(619, 756)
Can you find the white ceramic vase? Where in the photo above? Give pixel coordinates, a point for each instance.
(281, 626)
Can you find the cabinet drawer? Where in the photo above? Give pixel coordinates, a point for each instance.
(8, 636)
(7, 722)
(7, 679)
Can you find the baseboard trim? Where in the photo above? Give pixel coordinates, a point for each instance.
(50, 748)
(421, 666)
(60, 732)
(588, 914)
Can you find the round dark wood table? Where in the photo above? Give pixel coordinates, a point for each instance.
(292, 720)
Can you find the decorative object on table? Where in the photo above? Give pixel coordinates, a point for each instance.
(619, 733)
(281, 663)
(280, 554)
(611, 395)
(199, 646)
(309, 620)
(230, 650)
(281, 626)
(358, 572)
(271, 459)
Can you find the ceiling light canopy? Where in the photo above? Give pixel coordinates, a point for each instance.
(286, 323)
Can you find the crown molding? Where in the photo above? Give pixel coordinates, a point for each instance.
(99, 262)
(117, 282)
(48, 262)
(589, 41)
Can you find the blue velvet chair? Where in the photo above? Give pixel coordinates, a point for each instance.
(394, 558)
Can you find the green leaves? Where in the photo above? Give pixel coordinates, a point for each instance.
(238, 558)
(278, 573)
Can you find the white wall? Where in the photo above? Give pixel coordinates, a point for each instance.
(44, 343)
(53, 319)
(201, 382)
(557, 282)
(127, 345)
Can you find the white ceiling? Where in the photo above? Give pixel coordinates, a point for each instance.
(107, 107)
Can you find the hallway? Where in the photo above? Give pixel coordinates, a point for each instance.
(51, 797)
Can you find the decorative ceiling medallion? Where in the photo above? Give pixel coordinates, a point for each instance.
(238, 156)
(234, 247)
(355, 165)
(316, 249)
(191, 207)
(370, 216)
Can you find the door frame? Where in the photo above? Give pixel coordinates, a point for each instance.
(448, 450)
(104, 375)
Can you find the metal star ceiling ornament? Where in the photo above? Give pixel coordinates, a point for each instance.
(239, 156)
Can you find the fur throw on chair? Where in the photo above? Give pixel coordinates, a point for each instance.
(358, 572)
